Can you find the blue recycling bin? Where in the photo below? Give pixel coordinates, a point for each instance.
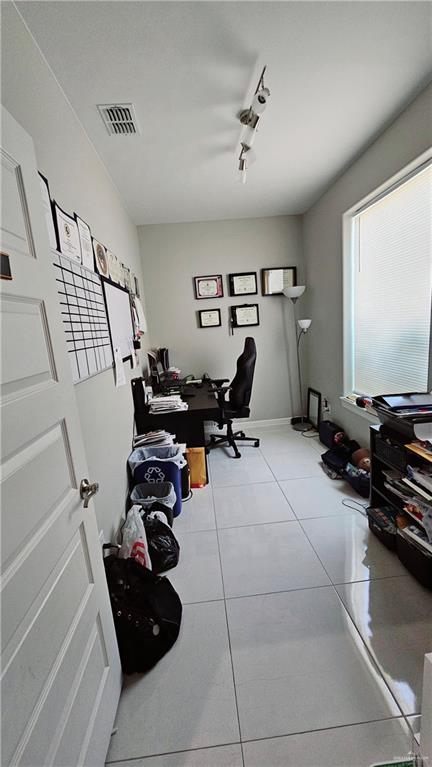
(159, 464)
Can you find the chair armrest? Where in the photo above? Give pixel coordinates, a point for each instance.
(219, 381)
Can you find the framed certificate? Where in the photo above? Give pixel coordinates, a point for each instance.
(126, 274)
(84, 233)
(209, 318)
(208, 287)
(243, 284)
(48, 211)
(113, 267)
(101, 258)
(273, 281)
(67, 233)
(242, 316)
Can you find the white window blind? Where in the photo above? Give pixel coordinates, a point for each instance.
(392, 289)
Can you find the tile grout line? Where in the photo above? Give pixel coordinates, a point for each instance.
(290, 591)
(227, 627)
(372, 660)
(369, 654)
(268, 737)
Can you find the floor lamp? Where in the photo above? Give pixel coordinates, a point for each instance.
(294, 294)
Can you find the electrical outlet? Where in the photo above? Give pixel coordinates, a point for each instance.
(326, 408)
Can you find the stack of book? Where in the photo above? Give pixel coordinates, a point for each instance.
(167, 404)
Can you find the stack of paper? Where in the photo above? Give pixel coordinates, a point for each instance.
(159, 438)
(167, 404)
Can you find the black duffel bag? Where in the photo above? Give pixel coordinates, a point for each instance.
(147, 613)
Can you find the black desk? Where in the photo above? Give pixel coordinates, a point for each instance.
(187, 425)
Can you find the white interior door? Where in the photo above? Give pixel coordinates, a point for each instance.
(61, 673)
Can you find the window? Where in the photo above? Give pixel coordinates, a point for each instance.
(388, 288)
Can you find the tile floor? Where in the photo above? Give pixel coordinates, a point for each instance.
(302, 639)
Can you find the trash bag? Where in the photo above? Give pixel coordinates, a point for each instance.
(164, 548)
(147, 613)
(134, 539)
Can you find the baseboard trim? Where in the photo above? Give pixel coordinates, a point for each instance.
(245, 424)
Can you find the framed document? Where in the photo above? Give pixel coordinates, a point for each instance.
(100, 258)
(241, 316)
(314, 407)
(273, 281)
(208, 287)
(126, 274)
(113, 267)
(48, 211)
(209, 318)
(243, 284)
(84, 233)
(67, 232)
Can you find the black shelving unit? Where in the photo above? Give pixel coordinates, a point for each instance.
(389, 451)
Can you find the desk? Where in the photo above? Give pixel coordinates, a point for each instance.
(187, 425)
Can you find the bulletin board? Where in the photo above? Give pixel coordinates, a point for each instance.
(84, 318)
(119, 313)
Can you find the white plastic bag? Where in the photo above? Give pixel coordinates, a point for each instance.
(134, 539)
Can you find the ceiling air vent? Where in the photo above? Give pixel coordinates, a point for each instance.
(119, 119)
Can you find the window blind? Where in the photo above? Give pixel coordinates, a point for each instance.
(392, 290)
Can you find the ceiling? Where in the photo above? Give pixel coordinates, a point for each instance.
(338, 73)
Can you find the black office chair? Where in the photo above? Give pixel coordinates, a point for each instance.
(236, 406)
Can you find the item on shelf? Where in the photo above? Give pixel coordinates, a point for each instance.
(382, 523)
(422, 476)
(147, 613)
(422, 448)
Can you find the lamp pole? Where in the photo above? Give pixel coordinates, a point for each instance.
(294, 293)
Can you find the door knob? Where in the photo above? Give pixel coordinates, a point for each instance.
(88, 490)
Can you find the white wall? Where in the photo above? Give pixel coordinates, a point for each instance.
(79, 182)
(173, 254)
(403, 141)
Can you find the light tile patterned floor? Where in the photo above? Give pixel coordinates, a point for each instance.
(302, 639)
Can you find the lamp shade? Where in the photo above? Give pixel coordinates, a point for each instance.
(295, 292)
(304, 325)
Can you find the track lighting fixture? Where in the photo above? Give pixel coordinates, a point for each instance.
(249, 118)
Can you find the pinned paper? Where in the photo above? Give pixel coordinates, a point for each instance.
(120, 376)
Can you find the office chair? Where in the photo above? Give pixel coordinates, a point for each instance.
(236, 406)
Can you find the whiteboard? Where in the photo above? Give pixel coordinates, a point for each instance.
(119, 318)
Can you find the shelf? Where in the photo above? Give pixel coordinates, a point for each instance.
(386, 463)
(399, 508)
(386, 498)
(419, 451)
